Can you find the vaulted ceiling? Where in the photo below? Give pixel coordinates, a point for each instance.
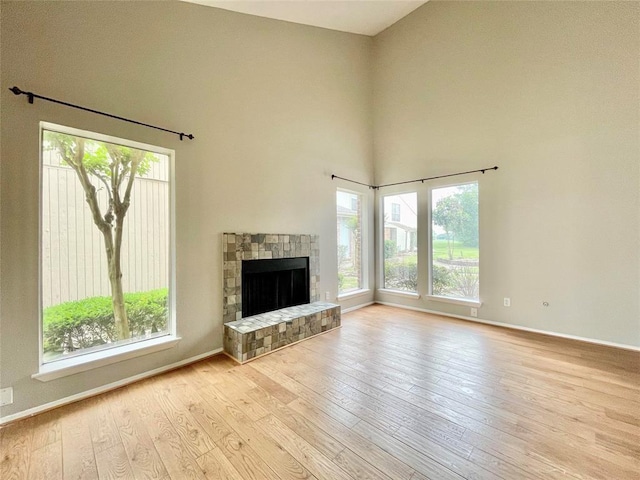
(366, 17)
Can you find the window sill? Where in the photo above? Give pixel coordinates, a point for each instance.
(399, 293)
(354, 293)
(454, 301)
(82, 363)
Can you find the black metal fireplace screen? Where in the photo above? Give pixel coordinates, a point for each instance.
(271, 284)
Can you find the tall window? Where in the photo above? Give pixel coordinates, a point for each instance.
(455, 270)
(349, 215)
(105, 242)
(400, 213)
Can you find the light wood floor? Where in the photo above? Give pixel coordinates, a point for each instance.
(393, 394)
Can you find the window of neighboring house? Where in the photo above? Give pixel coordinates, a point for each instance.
(105, 248)
(455, 252)
(400, 247)
(350, 230)
(395, 212)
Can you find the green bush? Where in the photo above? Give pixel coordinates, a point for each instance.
(390, 248)
(87, 323)
(441, 279)
(401, 276)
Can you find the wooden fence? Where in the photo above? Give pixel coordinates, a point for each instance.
(74, 264)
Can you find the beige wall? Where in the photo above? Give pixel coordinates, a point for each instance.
(275, 107)
(549, 91)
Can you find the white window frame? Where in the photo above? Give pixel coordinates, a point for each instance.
(82, 362)
(380, 236)
(430, 296)
(364, 247)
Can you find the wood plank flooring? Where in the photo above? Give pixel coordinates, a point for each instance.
(393, 394)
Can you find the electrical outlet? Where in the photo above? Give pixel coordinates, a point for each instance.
(507, 302)
(6, 396)
(474, 312)
(327, 295)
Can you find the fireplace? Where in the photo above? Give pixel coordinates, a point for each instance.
(272, 284)
(243, 249)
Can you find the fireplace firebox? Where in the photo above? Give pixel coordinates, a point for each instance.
(271, 284)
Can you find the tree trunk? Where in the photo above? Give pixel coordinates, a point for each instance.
(117, 293)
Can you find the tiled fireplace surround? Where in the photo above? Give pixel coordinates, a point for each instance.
(245, 339)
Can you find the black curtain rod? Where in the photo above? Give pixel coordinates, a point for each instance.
(31, 95)
(377, 187)
(353, 181)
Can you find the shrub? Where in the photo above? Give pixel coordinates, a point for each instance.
(466, 281)
(441, 279)
(390, 249)
(87, 323)
(401, 276)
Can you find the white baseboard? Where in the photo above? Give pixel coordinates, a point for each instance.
(104, 388)
(517, 327)
(357, 307)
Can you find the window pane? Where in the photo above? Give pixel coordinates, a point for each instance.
(105, 244)
(400, 242)
(455, 270)
(349, 214)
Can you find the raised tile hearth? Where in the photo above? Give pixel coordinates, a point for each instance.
(258, 335)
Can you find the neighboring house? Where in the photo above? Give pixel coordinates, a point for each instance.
(405, 236)
(400, 225)
(347, 216)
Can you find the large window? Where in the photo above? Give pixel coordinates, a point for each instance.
(105, 258)
(455, 255)
(400, 213)
(350, 265)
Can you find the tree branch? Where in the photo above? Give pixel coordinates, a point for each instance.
(135, 163)
(76, 163)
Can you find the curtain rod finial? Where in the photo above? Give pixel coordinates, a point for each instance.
(16, 90)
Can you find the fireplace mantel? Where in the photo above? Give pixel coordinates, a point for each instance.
(253, 246)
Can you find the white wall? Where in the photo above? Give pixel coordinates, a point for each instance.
(275, 107)
(549, 91)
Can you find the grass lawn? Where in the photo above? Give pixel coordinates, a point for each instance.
(349, 283)
(441, 250)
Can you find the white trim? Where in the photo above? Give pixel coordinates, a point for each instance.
(455, 301)
(355, 293)
(104, 138)
(82, 363)
(365, 220)
(395, 192)
(357, 307)
(105, 388)
(399, 293)
(61, 368)
(594, 341)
